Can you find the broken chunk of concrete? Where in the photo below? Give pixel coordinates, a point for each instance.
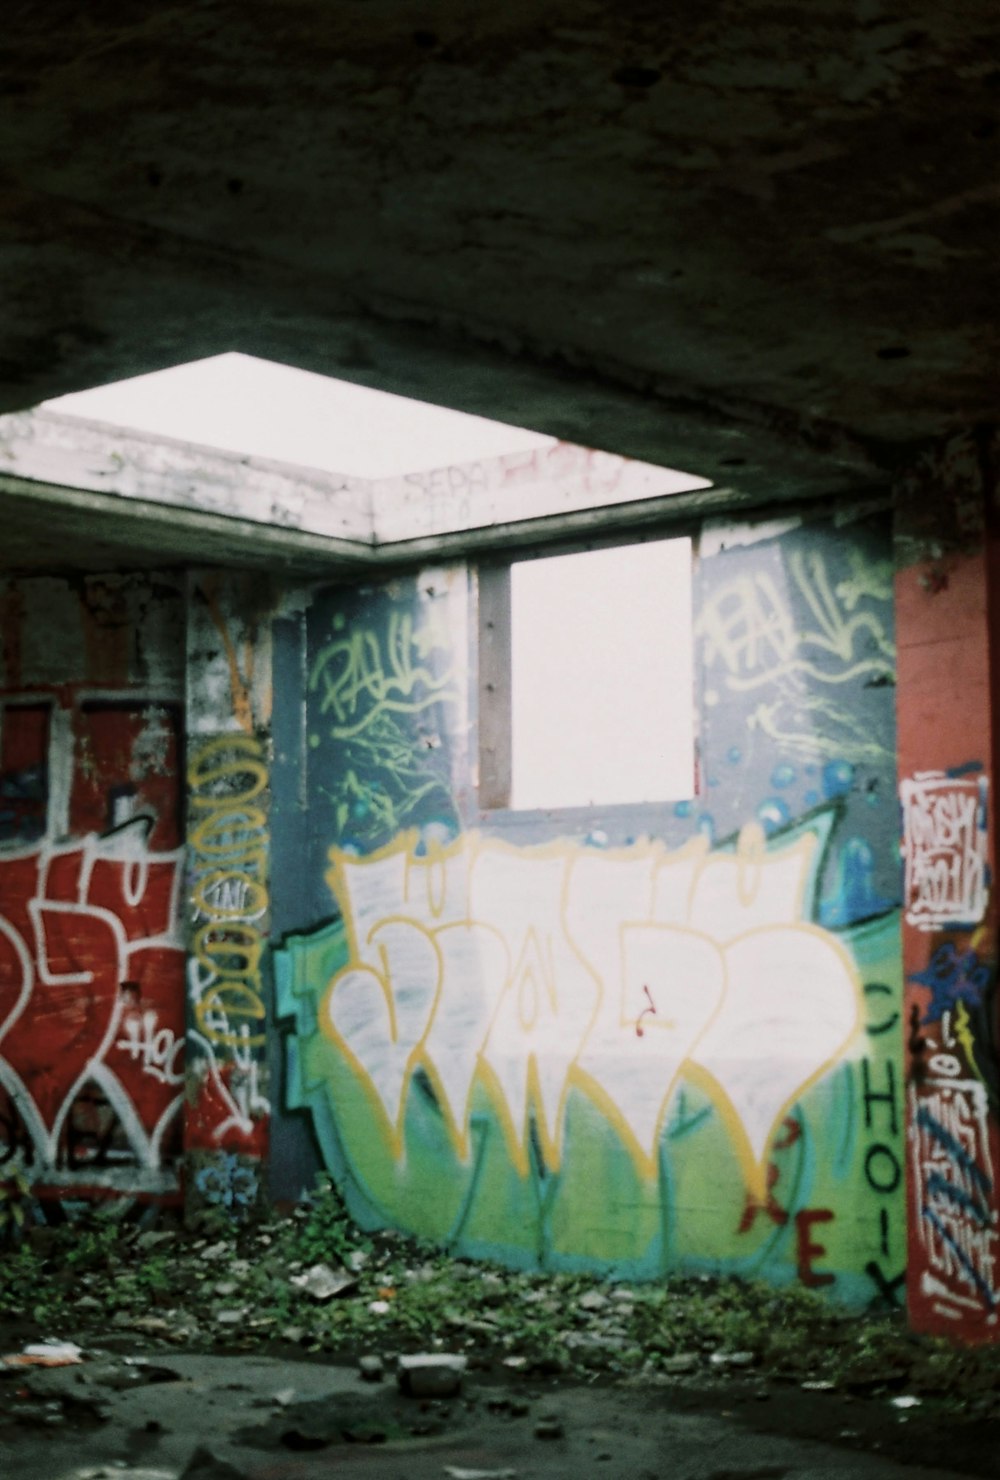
(458, 1472)
(431, 1375)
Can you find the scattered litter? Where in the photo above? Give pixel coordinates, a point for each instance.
(516, 1363)
(905, 1402)
(379, 1307)
(817, 1387)
(46, 1354)
(371, 1368)
(323, 1283)
(286, 1396)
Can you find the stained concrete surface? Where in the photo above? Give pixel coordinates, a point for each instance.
(756, 241)
(142, 1416)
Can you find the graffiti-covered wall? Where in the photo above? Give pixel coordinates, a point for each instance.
(641, 1038)
(134, 886)
(91, 949)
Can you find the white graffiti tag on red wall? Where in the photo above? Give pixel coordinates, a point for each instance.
(91, 992)
(944, 849)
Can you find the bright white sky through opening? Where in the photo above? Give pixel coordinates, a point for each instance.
(257, 408)
(602, 678)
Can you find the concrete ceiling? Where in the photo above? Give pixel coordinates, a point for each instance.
(752, 240)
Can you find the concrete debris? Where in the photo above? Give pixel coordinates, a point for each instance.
(607, 1341)
(458, 1472)
(150, 1325)
(371, 1368)
(593, 1300)
(504, 1403)
(154, 1238)
(431, 1374)
(322, 1283)
(905, 1401)
(122, 1472)
(732, 1359)
(204, 1465)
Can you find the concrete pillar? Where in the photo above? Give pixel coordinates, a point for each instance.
(227, 885)
(948, 636)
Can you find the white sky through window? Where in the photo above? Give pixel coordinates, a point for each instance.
(602, 706)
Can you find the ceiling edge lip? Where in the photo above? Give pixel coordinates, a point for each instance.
(107, 506)
(98, 457)
(251, 542)
(88, 428)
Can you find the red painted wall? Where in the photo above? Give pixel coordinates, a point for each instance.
(91, 946)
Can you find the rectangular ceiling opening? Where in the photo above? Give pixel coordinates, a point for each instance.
(246, 438)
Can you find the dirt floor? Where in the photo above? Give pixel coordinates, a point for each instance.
(131, 1412)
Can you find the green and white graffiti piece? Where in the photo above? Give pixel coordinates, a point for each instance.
(635, 1060)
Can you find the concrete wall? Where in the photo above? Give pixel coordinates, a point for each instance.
(637, 1039)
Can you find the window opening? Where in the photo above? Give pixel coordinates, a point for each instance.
(587, 681)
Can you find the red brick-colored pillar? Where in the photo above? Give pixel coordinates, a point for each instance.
(949, 643)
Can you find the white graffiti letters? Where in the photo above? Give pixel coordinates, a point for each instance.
(533, 970)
